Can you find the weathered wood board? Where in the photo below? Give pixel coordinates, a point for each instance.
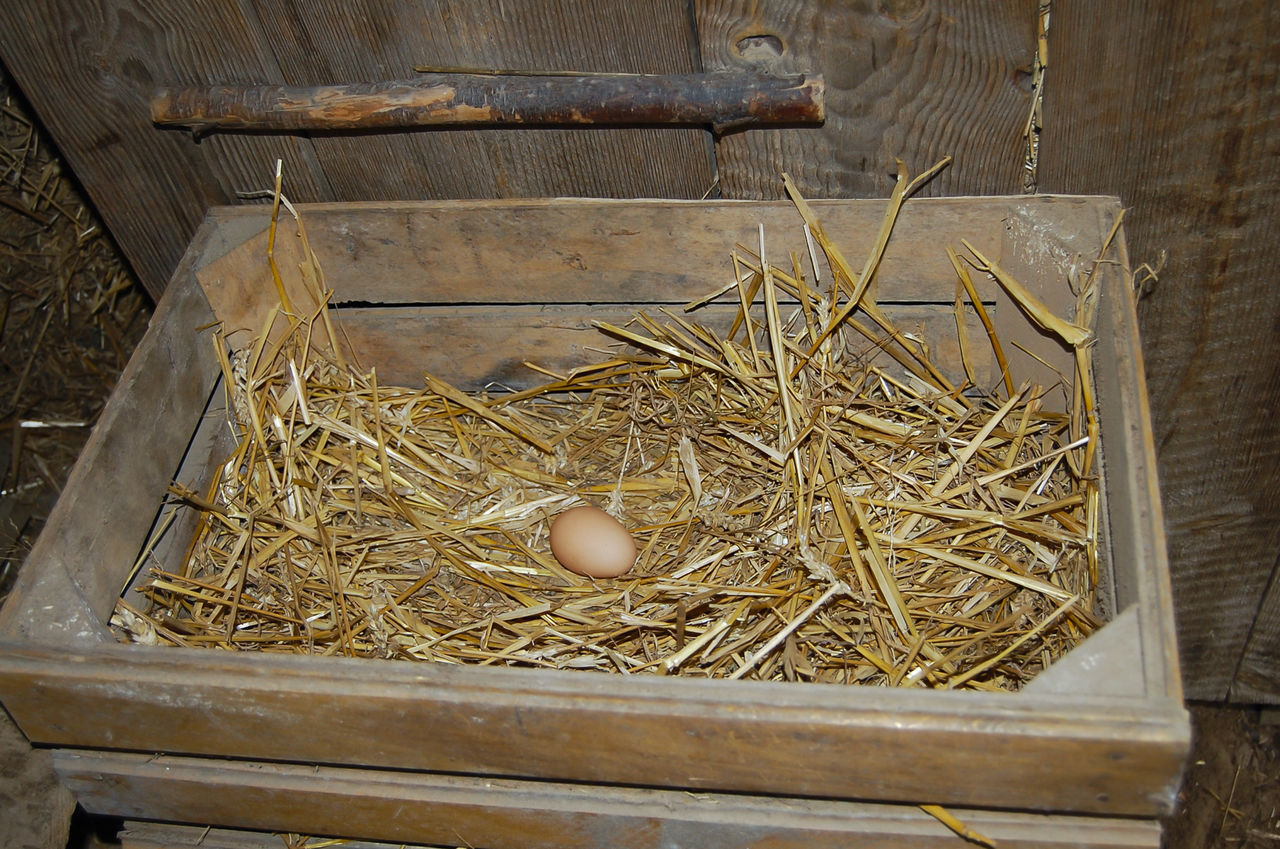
(465, 811)
(905, 80)
(908, 80)
(1186, 129)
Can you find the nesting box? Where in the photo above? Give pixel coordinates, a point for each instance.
(1090, 752)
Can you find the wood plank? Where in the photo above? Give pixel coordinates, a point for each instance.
(602, 252)
(1257, 681)
(1084, 754)
(338, 41)
(88, 69)
(175, 526)
(506, 814)
(1187, 130)
(905, 80)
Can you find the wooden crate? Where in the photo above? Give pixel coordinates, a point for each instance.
(427, 753)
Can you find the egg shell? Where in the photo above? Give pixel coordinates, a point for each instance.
(590, 542)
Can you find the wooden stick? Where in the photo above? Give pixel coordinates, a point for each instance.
(723, 99)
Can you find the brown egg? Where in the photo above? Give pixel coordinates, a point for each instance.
(590, 542)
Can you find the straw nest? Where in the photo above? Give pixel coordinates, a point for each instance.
(800, 515)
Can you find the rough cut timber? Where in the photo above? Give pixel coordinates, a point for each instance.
(1187, 130)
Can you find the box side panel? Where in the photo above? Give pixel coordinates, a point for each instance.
(1113, 756)
(172, 534)
(1057, 246)
(506, 814)
(1053, 753)
(1134, 514)
(579, 252)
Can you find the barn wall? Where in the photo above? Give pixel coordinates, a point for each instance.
(1176, 108)
(1172, 106)
(908, 80)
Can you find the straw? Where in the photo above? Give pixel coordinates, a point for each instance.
(805, 507)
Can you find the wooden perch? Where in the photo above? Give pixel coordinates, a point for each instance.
(723, 99)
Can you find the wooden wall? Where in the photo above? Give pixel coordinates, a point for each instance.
(1170, 105)
(1176, 108)
(906, 79)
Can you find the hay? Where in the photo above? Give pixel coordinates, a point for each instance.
(70, 316)
(800, 515)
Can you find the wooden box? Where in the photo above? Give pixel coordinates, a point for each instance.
(1090, 753)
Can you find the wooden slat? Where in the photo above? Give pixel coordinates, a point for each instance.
(334, 41)
(905, 80)
(88, 69)
(506, 814)
(1104, 755)
(1187, 130)
(602, 252)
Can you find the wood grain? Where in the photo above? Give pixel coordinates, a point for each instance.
(1187, 131)
(88, 69)
(600, 252)
(483, 349)
(331, 41)
(905, 80)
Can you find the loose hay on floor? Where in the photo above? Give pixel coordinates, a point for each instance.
(70, 316)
